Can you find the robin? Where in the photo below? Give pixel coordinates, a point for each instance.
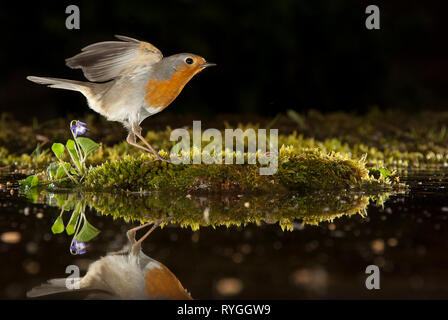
(138, 81)
(128, 274)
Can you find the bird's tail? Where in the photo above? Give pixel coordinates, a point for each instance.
(88, 89)
(53, 286)
(83, 87)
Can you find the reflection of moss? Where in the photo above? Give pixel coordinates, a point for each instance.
(298, 170)
(216, 210)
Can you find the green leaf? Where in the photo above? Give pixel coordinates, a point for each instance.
(32, 195)
(74, 217)
(61, 172)
(58, 150)
(87, 145)
(87, 232)
(30, 181)
(58, 225)
(71, 148)
(52, 170)
(64, 201)
(34, 181)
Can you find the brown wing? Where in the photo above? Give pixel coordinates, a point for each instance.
(106, 60)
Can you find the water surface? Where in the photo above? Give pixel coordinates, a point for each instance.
(324, 256)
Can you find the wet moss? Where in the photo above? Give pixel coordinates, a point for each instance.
(327, 149)
(302, 170)
(417, 141)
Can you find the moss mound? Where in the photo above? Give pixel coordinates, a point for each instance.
(304, 170)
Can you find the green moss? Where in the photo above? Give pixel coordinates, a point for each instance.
(321, 151)
(25, 163)
(418, 140)
(390, 157)
(303, 170)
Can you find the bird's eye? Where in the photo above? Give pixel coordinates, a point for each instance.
(189, 61)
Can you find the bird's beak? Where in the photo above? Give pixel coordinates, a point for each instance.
(208, 64)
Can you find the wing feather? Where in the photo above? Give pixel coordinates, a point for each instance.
(107, 60)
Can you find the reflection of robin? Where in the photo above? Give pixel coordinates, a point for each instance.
(140, 81)
(129, 274)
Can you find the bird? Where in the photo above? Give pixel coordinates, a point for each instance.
(128, 274)
(128, 81)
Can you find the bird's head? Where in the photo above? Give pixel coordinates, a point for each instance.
(184, 65)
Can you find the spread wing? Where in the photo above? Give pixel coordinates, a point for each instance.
(106, 60)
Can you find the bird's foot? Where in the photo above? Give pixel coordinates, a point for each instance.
(158, 157)
(163, 159)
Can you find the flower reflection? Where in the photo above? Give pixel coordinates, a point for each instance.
(78, 247)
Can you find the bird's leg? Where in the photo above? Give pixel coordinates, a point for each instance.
(131, 237)
(136, 245)
(137, 132)
(156, 224)
(131, 140)
(131, 233)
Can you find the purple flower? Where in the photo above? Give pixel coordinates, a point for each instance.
(78, 128)
(78, 247)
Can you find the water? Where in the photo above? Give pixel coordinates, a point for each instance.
(405, 236)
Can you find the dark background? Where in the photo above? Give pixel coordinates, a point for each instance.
(271, 55)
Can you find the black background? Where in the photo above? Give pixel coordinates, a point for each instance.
(271, 55)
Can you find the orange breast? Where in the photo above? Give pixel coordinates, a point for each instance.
(159, 94)
(163, 284)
